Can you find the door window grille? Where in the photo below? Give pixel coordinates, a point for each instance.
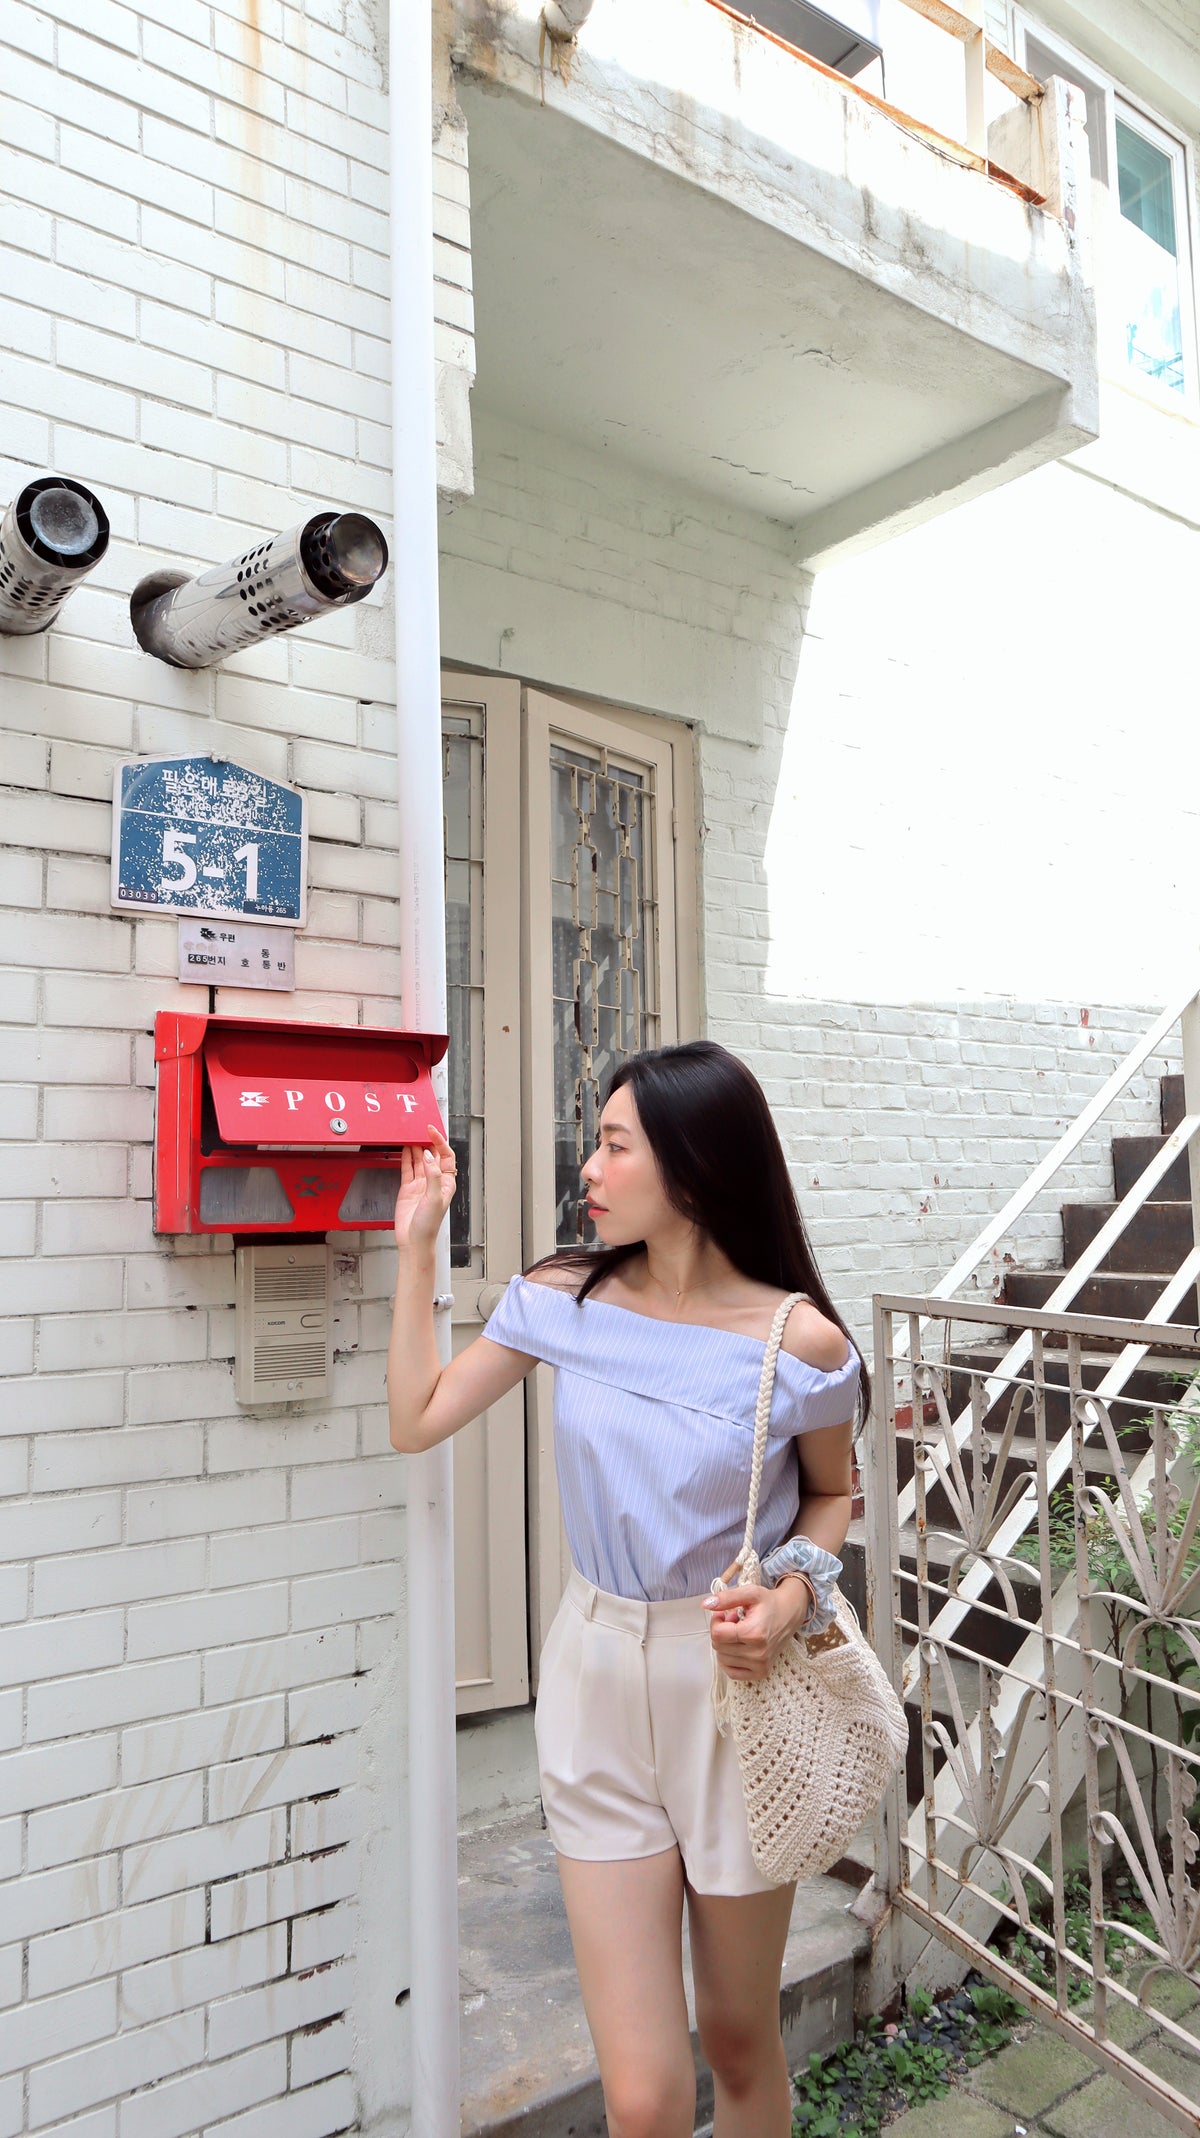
(605, 950)
(462, 802)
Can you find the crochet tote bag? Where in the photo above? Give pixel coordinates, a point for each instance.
(820, 1737)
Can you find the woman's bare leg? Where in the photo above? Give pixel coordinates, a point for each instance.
(737, 1958)
(627, 1929)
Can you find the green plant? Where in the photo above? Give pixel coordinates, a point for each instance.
(862, 2083)
(1034, 1960)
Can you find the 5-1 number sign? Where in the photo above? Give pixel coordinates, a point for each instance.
(201, 835)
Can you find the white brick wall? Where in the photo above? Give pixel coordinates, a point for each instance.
(195, 322)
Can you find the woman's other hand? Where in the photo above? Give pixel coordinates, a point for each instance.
(427, 1180)
(748, 1626)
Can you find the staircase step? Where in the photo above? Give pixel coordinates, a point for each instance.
(527, 2061)
(1157, 1238)
(1131, 1156)
(1123, 1297)
(1156, 1380)
(1170, 1102)
(995, 1638)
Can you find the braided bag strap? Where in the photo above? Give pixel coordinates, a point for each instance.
(762, 1421)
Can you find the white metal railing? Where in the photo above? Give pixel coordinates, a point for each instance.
(1085, 1680)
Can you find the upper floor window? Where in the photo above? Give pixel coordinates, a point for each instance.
(1143, 245)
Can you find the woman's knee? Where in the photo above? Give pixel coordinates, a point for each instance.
(649, 2104)
(740, 2050)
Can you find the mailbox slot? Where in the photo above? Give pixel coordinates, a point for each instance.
(281, 1128)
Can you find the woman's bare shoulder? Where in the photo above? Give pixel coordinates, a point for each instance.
(560, 1276)
(811, 1337)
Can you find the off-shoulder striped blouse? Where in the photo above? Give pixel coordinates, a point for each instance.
(653, 1432)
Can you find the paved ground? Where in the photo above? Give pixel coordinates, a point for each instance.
(1042, 2084)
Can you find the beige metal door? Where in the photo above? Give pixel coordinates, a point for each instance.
(609, 968)
(481, 760)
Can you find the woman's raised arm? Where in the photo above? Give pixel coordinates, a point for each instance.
(426, 1401)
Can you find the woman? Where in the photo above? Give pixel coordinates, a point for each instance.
(658, 1342)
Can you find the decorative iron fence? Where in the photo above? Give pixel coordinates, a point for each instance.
(1033, 1563)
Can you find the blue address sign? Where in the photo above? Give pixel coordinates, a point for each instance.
(201, 835)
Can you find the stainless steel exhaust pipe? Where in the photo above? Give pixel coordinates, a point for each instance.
(334, 559)
(50, 537)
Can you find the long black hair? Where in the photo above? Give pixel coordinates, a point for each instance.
(722, 1166)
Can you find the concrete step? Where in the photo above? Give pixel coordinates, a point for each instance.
(1131, 1156)
(528, 2066)
(1157, 1238)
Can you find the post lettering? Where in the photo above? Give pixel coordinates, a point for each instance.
(407, 1101)
(335, 1102)
(371, 1102)
(293, 1098)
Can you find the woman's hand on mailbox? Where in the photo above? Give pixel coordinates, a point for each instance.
(426, 1191)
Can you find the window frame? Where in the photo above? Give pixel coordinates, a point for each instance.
(1119, 104)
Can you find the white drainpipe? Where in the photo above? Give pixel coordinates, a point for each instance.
(433, 1849)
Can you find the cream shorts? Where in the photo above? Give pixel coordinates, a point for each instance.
(630, 1755)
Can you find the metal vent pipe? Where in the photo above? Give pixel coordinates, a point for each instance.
(329, 562)
(52, 534)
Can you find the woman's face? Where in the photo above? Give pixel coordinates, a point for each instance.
(625, 1194)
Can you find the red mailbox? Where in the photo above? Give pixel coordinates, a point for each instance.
(278, 1128)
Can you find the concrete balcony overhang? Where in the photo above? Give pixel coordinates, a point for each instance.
(708, 256)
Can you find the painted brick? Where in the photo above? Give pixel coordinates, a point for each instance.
(317, 2112)
(52, 1774)
(109, 1944)
(176, 2107)
(287, 1891)
(194, 1740)
(320, 2050)
(34, 1527)
(47, 2025)
(48, 1285)
(357, 1592)
(77, 1831)
(10, 1720)
(110, 1697)
(52, 1900)
(278, 2008)
(324, 1440)
(248, 1671)
(280, 1777)
(102, 1458)
(298, 1548)
(214, 1852)
(326, 1822)
(207, 1972)
(315, 1711)
(206, 1621)
(115, 2067)
(45, 1648)
(14, 1594)
(319, 1940)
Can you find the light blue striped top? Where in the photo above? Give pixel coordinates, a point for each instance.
(653, 1434)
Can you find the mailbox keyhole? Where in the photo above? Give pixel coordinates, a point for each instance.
(338, 1126)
